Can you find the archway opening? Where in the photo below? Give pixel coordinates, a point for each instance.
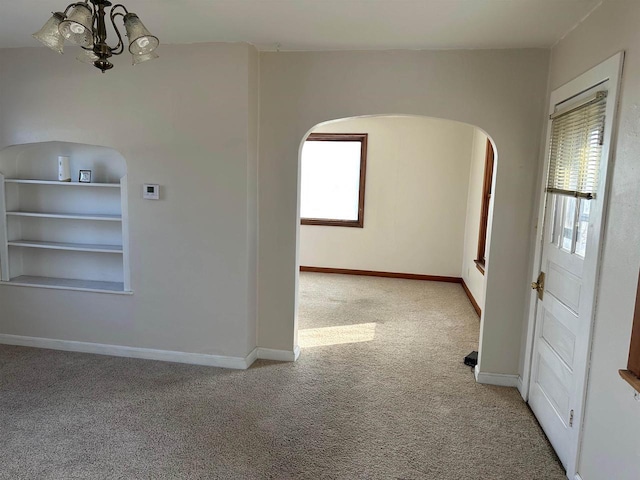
(415, 207)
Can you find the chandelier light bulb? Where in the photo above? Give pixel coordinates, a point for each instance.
(77, 28)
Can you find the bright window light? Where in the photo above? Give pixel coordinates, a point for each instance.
(331, 180)
(324, 336)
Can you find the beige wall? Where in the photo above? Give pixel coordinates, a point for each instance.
(183, 121)
(470, 274)
(502, 92)
(416, 200)
(610, 449)
(188, 122)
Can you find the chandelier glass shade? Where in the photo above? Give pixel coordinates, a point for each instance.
(144, 57)
(88, 56)
(84, 24)
(77, 26)
(141, 40)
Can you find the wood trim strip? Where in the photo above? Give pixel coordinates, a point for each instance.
(486, 198)
(373, 273)
(631, 378)
(336, 137)
(476, 307)
(634, 349)
(480, 265)
(327, 222)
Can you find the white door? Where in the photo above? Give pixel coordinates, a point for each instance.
(568, 254)
(562, 324)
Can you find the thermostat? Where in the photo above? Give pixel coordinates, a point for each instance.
(151, 192)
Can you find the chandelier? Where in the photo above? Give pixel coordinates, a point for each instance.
(83, 23)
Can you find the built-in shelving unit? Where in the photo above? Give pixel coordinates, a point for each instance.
(64, 235)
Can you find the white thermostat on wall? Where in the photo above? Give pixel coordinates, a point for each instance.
(151, 192)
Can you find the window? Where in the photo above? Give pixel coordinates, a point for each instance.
(632, 373)
(484, 212)
(577, 134)
(332, 179)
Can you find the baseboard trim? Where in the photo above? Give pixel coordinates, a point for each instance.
(499, 379)
(476, 307)
(577, 477)
(374, 273)
(520, 387)
(222, 361)
(278, 355)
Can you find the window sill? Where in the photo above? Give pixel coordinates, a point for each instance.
(332, 223)
(480, 266)
(631, 379)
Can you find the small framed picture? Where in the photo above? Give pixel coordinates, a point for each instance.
(85, 176)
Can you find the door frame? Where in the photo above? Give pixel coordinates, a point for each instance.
(610, 70)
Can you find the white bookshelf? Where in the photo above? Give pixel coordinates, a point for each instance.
(64, 235)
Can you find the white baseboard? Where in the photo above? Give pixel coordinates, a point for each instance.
(499, 379)
(133, 352)
(279, 355)
(577, 477)
(520, 387)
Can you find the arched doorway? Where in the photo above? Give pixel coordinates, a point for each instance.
(420, 199)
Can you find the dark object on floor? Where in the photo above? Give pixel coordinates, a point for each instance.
(471, 359)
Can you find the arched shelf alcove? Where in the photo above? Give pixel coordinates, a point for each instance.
(64, 235)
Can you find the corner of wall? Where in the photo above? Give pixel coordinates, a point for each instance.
(253, 139)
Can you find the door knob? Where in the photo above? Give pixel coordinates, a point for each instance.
(539, 285)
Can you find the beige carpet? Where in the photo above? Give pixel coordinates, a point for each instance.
(382, 394)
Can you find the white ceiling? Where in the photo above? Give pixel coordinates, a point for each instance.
(331, 24)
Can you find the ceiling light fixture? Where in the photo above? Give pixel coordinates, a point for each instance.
(83, 23)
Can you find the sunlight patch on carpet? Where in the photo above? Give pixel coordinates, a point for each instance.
(319, 337)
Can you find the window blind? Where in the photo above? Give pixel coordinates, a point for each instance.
(576, 148)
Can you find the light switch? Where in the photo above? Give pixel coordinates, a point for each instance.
(151, 192)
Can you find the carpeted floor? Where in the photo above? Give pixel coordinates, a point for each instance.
(379, 392)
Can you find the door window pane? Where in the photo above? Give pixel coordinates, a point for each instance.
(583, 227)
(568, 223)
(556, 227)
